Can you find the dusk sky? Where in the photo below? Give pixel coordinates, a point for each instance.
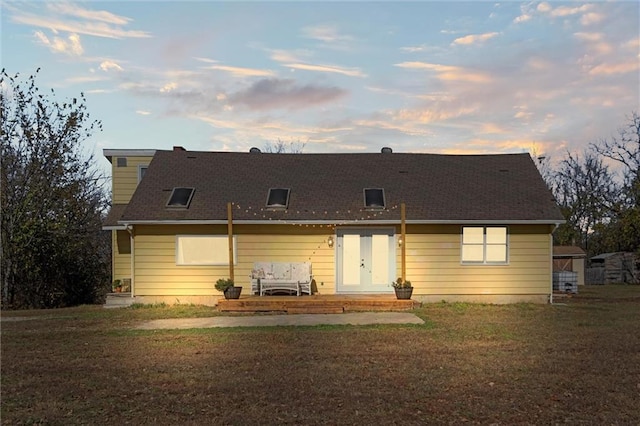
(436, 77)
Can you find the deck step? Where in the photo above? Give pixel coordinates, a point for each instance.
(315, 304)
(118, 300)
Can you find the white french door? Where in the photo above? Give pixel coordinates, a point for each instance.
(365, 260)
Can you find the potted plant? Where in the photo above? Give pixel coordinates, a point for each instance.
(403, 289)
(116, 286)
(226, 286)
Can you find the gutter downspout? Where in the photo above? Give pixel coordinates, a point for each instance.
(551, 254)
(133, 257)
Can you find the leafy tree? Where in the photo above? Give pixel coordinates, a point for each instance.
(52, 248)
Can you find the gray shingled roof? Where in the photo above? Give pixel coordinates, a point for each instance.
(114, 215)
(329, 187)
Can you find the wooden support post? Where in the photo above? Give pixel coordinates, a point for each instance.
(230, 232)
(403, 236)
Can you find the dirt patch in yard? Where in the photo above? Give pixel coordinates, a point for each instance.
(578, 362)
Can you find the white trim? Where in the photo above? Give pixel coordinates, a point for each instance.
(133, 262)
(128, 152)
(115, 228)
(140, 167)
(339, 222)
(484, 261)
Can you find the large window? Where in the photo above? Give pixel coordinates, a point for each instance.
(204, 250)
(484, 244)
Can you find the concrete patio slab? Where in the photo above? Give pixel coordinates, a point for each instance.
(362, 318)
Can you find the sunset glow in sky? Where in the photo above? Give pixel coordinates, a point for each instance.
(437, 77)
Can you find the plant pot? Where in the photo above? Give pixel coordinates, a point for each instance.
(403, 293)
(232, 292)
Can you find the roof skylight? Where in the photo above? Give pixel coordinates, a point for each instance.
(374, 198)
(180, 198)
(278, 198)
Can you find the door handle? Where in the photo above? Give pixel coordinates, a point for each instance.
(362, 263)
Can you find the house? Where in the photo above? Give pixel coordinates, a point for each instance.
(615, 268)
(475, 227)
(570, 259)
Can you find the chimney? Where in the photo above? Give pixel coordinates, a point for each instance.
(178, 148)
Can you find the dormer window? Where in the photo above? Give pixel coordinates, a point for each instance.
(180, 198)
(374, 198)
(278, 198)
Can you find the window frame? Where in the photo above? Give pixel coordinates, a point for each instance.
(224, 240)
(140, 168)
(384, 199)
(180, 206)
(484, 245)
(278, 206)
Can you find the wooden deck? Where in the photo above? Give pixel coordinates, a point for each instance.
(317, 304)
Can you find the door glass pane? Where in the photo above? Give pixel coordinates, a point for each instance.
(379, 259)
(351, 259)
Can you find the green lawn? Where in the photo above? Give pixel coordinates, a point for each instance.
(576, 362)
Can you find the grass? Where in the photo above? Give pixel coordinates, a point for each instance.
(574, 362)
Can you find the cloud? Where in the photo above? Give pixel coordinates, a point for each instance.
(351, 72)
(544, 8)
(284, 93)
(413, 49)
(562, 11)
(69, 18)
(110, 65)
(448, 72)
(169, 87)
(242, 72)
(474, 38)
(205, 60)
(142, 112)
(618, 68)
(91, 15)
(591, 18)
(71, 46)
(326, 33)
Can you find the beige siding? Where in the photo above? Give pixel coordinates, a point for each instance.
(433, 260)
(158, 274)
(434, 267)
(121, 266)
(125, 179)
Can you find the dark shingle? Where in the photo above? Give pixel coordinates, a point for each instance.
(434, 187)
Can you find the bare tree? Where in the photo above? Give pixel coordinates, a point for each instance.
(623, 233)
(586, 192)
(281, 147)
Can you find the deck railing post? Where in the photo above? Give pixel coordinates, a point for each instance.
(230, 232)
(403, 236)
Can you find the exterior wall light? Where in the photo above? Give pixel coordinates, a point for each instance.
(330, 241)
(400, 241)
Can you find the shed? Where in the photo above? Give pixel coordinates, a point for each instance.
(570, 259)
(618, 267)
